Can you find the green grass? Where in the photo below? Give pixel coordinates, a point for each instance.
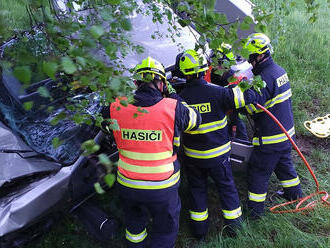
(13, 17)
(303, 50)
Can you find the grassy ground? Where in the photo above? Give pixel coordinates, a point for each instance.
(14, 17)
(303, 50)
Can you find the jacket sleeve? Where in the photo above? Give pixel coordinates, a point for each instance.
(235, 98)
(187, 118)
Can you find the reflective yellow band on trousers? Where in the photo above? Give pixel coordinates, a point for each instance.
(209, 127)
(238, 97)
(192, 119)
(290, 183)
(278, 138)
(232, 214)
(146, 156)
(270, 103)
(176, 141)
(212, 153)
(136, 238)
(146, 169)
(199, 216)
(140, 184)
(257, 197)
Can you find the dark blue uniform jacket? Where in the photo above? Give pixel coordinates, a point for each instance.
(210, 141)
(276, 97)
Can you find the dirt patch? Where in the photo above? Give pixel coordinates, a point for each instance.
(306, 143)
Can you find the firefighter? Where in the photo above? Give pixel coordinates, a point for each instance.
(148, 170)
(223, 54)
(206, 150)
(272, 149)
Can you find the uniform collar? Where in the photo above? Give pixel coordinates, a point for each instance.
(260, 67)
(146, 96)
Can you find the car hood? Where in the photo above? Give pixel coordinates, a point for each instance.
(14, 165)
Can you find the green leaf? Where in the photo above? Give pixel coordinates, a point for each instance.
(110, 179)
(57, 118)
(244, 85)
(97, 31)
(126, 24)
(182, 22)
(115, 83)
(103, 159)
(114, 124)
(98, 188)
(23, 73)
(113, 2)
(89, 147)
(81, 60)
(142, 110)
(261, 28)
(28, 105)
(56, 142)
(43, 91)
(111, 49)
(244, 26)
(67, 65)
(50, 69)
(124, 103)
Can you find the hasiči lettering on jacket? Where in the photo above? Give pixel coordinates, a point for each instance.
(141, 135)
(282, 80)
(202, 107)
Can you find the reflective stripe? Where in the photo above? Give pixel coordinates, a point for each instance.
(146, 169)
(209, 127)
(192, 119)
(232, 214)
(139, 184)
(212, 153)
(290, 183)
(278, 99)
(145, 156)
(250, 108)
(199, 216)
(192, 59)
(185, 104)
(136, 238)
(270, 103)
(257, 197)
(238, 97)
(274, 139)
(176, 141)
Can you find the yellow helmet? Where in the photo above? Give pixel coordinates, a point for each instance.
(258, 43)
(191, 62)
(150, 66)
(226, 52)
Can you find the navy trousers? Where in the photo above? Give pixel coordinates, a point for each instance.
(140, 205)
(221, 174)
(261, 166)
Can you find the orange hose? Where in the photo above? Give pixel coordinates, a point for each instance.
(301, 201)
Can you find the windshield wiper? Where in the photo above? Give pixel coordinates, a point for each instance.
(19, 152)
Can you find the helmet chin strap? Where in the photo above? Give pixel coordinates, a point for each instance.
(254, 58)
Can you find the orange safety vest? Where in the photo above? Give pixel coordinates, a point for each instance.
(145, 143)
